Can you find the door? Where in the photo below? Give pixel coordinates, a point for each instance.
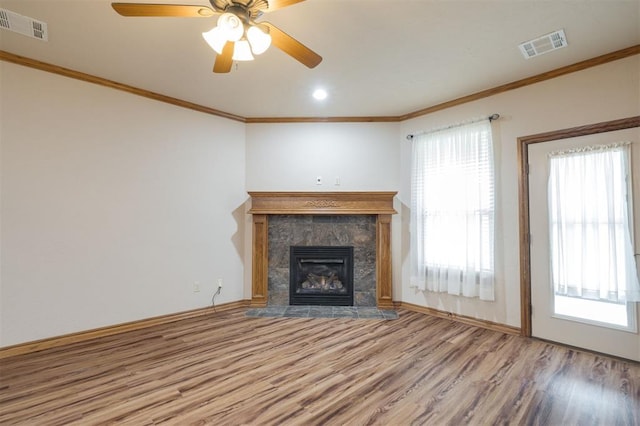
(588, 323)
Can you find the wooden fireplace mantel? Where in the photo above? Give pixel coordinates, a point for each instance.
(264, 204)
(334, 203)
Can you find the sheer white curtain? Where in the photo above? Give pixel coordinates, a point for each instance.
(590, 230)
(452, 211)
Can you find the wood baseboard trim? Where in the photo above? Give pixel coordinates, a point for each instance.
(489, 325)
(52, 342)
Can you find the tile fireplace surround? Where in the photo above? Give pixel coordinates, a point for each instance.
(266, 204)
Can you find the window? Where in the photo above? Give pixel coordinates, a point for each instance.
(452, 212)
(592, 265)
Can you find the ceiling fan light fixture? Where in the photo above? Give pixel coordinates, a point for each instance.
(242, 51)
(259, 39)
(215, 39)
(231, 26)
(234, 37)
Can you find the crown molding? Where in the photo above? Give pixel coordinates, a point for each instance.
(578, 66)
(66, 72)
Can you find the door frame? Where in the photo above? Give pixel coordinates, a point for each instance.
(523, 199)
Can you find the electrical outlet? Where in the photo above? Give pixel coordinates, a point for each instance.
(219, 282)
(318, 180)
(196, 286)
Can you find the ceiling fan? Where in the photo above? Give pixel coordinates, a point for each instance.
(237, 35)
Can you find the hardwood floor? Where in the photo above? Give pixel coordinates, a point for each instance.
(228, 369)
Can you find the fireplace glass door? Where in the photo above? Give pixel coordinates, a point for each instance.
(321, 275)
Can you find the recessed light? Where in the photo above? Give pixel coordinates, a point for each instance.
(320, 94)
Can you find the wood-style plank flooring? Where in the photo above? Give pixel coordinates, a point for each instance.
(228, 369)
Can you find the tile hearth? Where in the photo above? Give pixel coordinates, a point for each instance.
(323, 312)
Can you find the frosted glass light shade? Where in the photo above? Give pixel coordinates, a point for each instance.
(242, 51)
(215, 39)
(231, 26)
(258, 39)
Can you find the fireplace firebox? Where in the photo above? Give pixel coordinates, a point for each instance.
(321, 275)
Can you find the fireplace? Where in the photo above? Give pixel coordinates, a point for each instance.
(266, 207)
(321, 275)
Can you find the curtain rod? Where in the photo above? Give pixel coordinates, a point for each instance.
(492, 117)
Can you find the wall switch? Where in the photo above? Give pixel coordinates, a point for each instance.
(318, 180)
(196, 286)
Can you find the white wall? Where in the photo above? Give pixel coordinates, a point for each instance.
(112, 206)
(602, 93)
(289, 157)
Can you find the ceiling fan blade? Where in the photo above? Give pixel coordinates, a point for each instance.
(164, 10)
(279, 4)
(225, 59)
(293, 47)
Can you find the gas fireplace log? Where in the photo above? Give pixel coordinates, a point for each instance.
(322, 282)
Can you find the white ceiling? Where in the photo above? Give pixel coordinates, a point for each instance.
(381, 58)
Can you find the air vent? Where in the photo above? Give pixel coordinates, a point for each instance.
(23, 25)
(544, 44)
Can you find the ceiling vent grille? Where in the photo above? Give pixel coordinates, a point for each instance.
(541, 45)
(23, 25)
